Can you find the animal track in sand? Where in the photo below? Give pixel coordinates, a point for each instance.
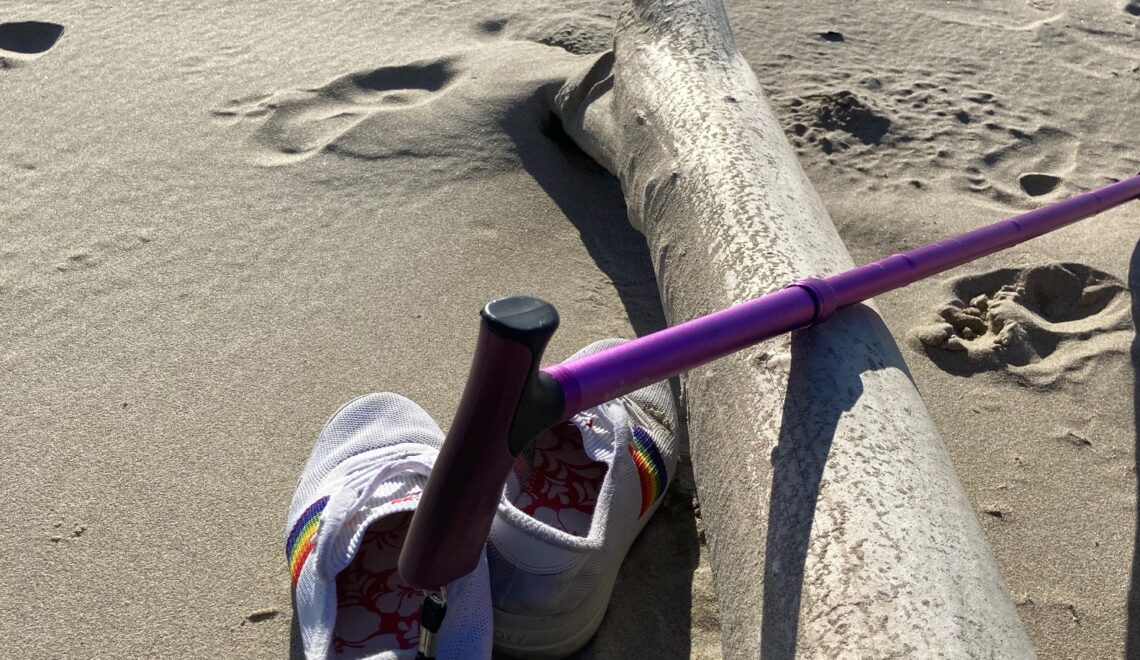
(945, 117)
(1035, 184)
(301, 123)
(26, 41)
(1032, 164)
(1035, 162)
(886, 129)
(1040, 323)
(100, 251)
(834, 121)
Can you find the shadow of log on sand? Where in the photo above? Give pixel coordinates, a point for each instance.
(591, 199)
(649, 614)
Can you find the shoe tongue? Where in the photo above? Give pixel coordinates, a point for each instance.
(365, 496)
(600, 428)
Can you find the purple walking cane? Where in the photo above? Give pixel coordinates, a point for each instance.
(508, 400)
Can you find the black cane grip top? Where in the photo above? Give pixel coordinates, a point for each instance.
(522, 319)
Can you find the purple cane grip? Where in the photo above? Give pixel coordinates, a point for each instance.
(465, 485)
(594, 379)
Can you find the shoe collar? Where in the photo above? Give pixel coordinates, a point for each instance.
(605, 434)
(374, 485)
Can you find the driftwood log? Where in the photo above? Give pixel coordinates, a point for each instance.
(836, 523)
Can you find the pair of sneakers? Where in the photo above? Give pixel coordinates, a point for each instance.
(574, 502)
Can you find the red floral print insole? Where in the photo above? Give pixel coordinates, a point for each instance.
(376, 611)
(563, 486)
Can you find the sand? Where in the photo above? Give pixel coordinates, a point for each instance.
(222, 222)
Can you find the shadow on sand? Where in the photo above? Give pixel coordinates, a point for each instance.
(591, 198)
(649, 614)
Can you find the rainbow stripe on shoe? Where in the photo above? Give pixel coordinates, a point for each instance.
(303, 537)
(650, 467)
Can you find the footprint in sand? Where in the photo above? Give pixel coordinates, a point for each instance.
(462, 115)
(25, 41)
(1029, 164)
(836, 121)
(100, 251)
(1036, 184)
(1040, 323)
(301, 123)
(467, 113)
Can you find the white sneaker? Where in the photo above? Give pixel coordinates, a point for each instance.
(346, 527)
(576, 500)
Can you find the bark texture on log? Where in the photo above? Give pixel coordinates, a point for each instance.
(836, 524)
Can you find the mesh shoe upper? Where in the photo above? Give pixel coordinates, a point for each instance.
(567, 521)
(345, 528)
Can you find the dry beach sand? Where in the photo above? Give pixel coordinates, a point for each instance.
(220, 222)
